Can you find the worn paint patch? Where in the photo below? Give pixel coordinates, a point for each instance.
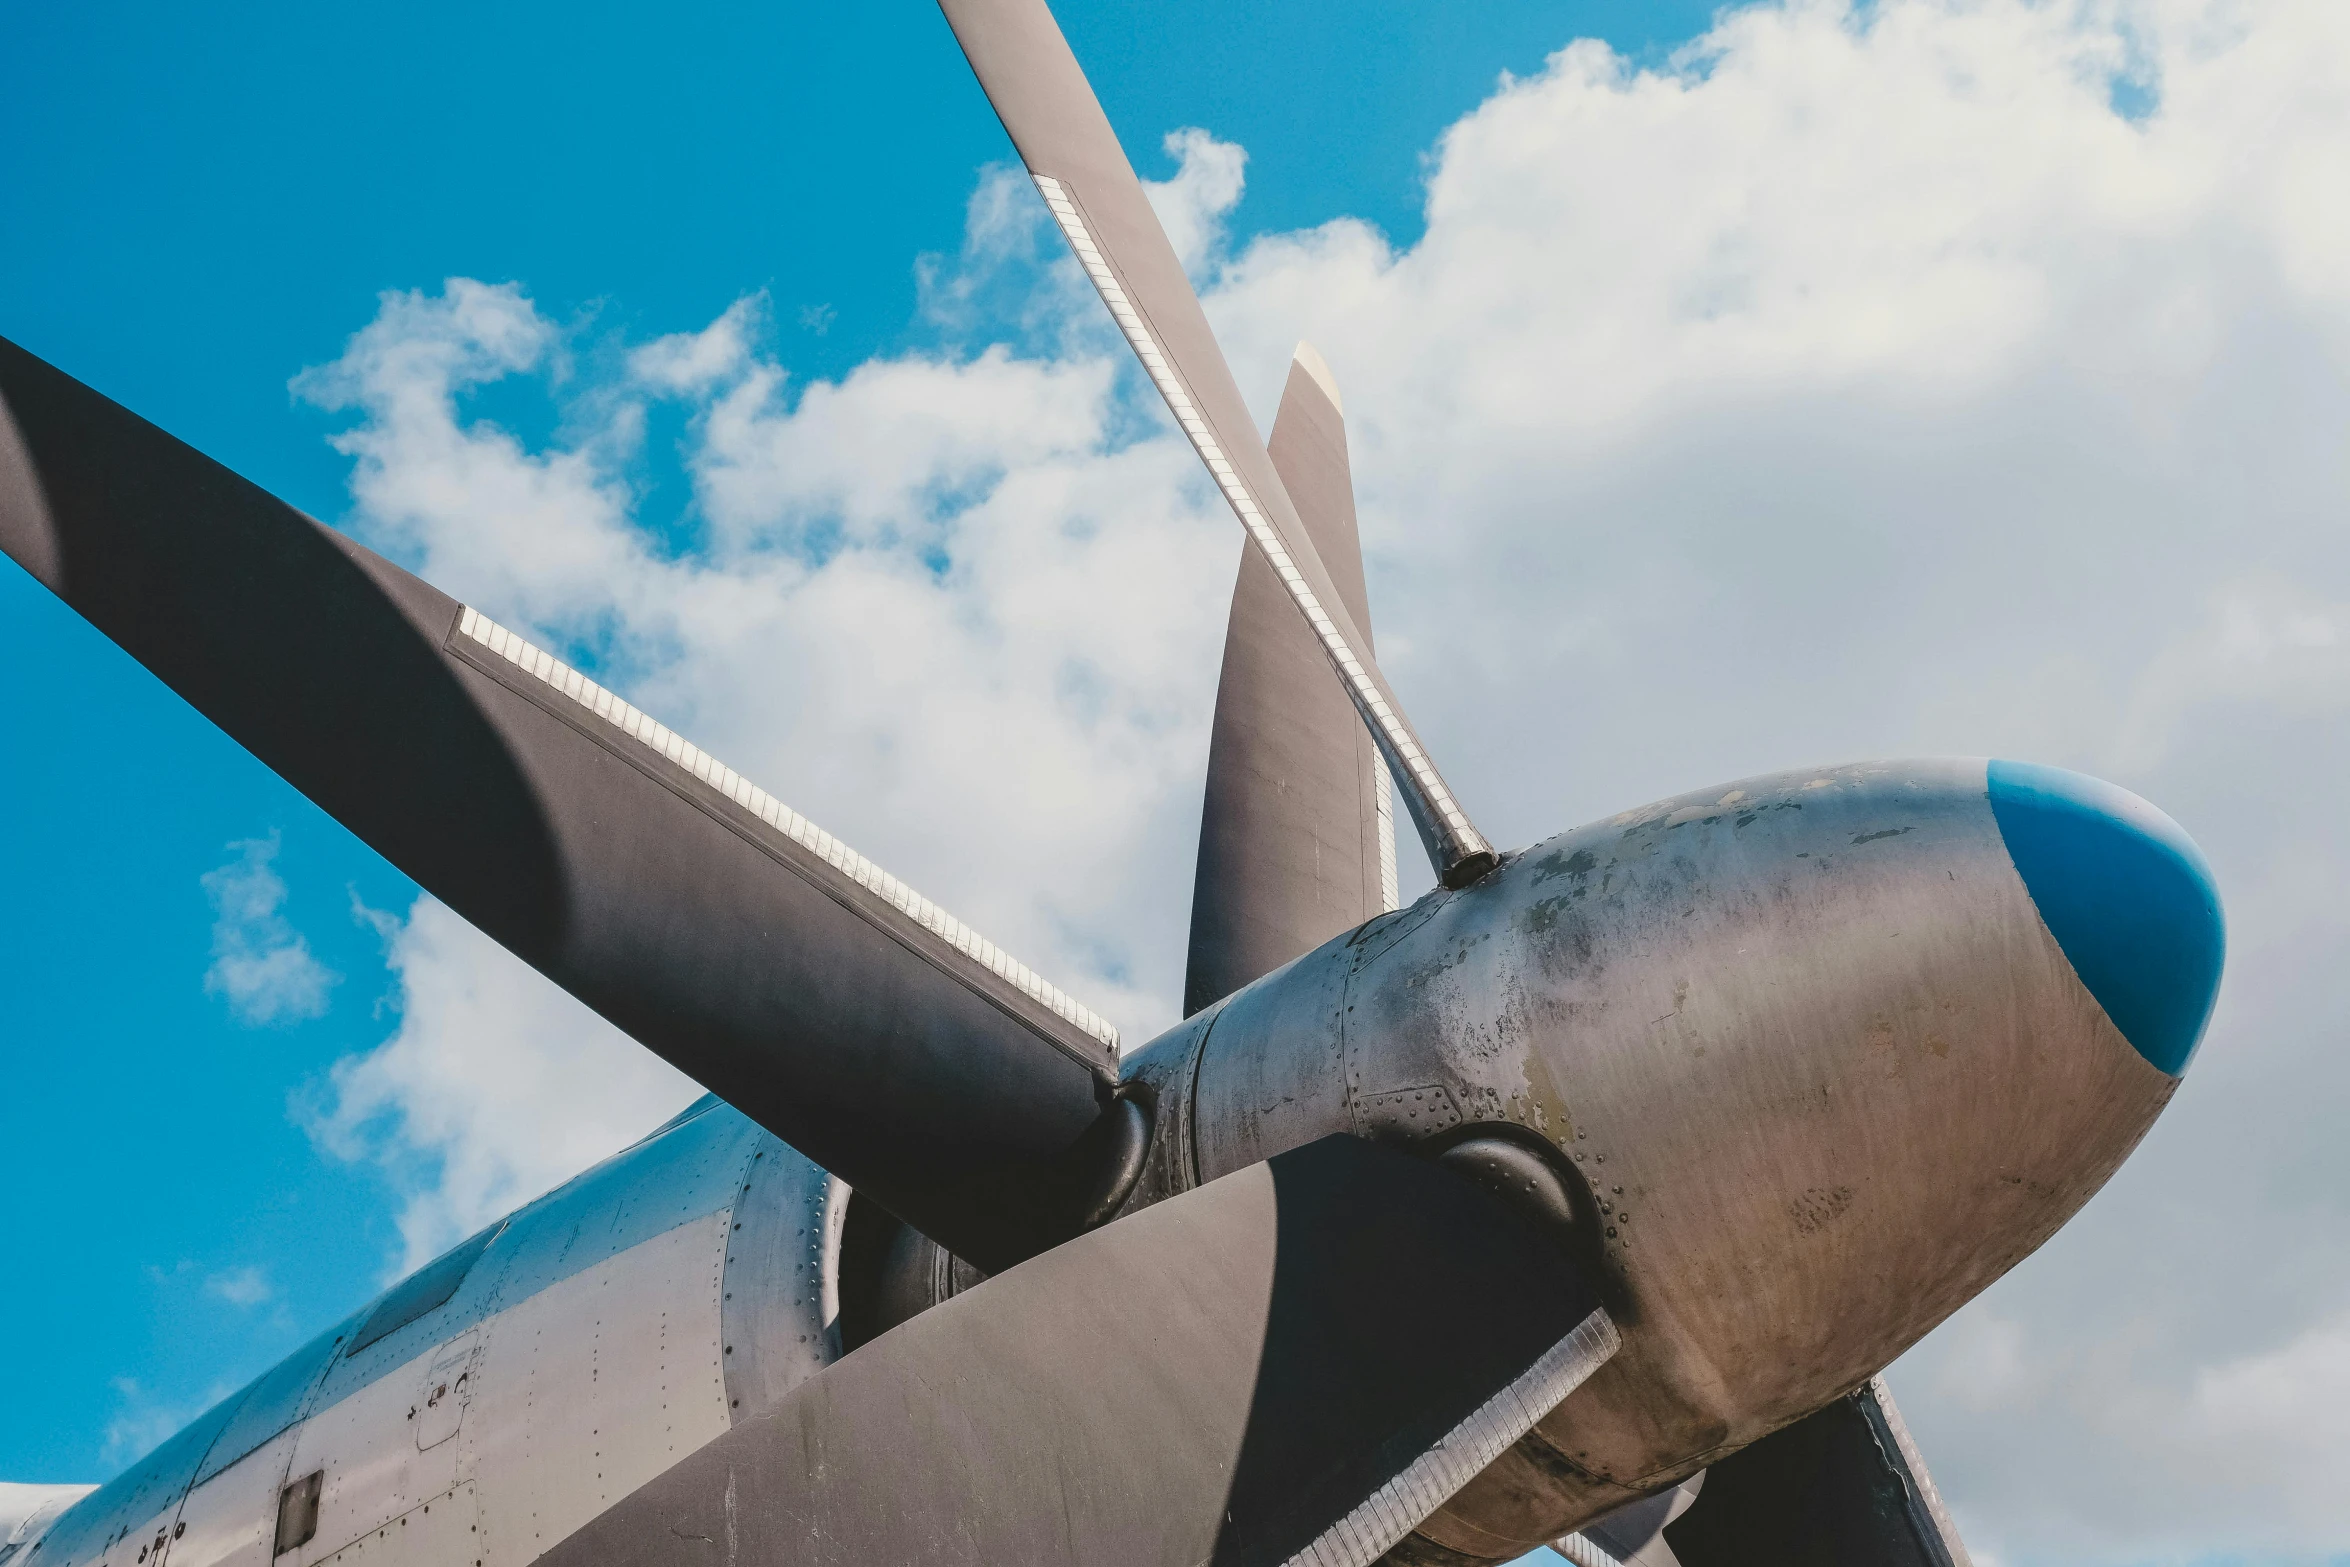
(1815, 1208)
(1560, 862)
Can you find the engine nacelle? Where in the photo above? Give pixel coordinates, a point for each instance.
(1811, 1060)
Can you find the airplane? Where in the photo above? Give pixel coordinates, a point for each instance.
(1579, 1203)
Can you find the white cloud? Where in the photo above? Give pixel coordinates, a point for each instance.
(938, 569)
(544, 535)
(495, 1087)
(1863, 383)
(687, 362)
(142, 1420)
(1192, 207)
(247, 1286)
(2263, 642)
(261, 965)
(2238, 1407)
(2236, 1451)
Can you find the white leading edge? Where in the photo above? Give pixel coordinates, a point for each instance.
(708, 769)
(1395, 741)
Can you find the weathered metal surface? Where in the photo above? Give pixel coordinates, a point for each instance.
(27, 1511)
(779, 1310)
(230, 1518)
(1166, 1070)
(1806, 1042)
(1270, 1074)
(1295, 846)
(132, 1515)
(595, 1385)
(276, 1400)
(426, 1290)
(586, 1350)
(436, 1532)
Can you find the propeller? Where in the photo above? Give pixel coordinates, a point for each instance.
(1292, 1364)
(1296, 839)
(1284, 833)
(819, 995)
(1295, 1363)
(1041, 95)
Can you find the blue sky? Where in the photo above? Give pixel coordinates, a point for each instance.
(1966, 378)
(206, 202)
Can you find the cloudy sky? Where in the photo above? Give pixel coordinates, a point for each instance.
(1790, 386)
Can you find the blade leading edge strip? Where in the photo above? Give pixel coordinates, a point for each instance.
(1929, 1496)
(1383, 800)
(702, 766)
(1583, 1553)
(1455, 842)
(1396, 1508)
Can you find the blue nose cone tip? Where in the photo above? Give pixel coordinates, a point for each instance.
(2126, 894)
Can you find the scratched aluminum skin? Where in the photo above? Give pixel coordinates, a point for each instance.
(1821, 1069)
(609, 1329)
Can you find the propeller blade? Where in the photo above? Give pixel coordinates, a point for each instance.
(1842, 1487)
(1296, 840)
(822, 997)
(1294, 1363)
(1047, 106)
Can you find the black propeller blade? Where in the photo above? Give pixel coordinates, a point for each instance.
(1046, 104)
(823, 998)
(1843, 1487)
(1294, 843)
(1292, 1364)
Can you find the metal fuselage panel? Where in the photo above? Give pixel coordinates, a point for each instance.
(1820, 1068)
(27, 1511)
(607, 1331)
